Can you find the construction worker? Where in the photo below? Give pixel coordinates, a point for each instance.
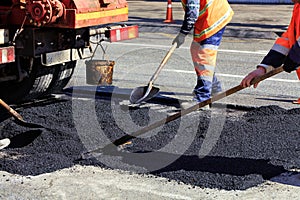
(285, 51)
(208, 18)
(4, 143)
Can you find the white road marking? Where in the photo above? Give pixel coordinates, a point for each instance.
(260, 52)
(232, 76)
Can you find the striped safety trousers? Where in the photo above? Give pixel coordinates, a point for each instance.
(204, 56)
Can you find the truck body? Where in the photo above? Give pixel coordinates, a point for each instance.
(41, 40)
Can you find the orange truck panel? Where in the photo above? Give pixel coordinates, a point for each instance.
(65, 13)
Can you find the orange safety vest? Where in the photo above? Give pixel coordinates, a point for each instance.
(213, 16)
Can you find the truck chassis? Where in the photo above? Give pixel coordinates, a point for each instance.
(42, 40)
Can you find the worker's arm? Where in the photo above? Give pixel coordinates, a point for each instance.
(272, 59)
(277, 56)
(275, 59)
(192, 8)
(190, 17)
(282, 53)
(292, 61)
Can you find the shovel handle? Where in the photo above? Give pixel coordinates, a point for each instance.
(163, 62)
(10, 110)
(254, 81)
(181, 113)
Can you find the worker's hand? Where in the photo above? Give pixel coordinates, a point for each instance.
(246, 82)
(180, 38)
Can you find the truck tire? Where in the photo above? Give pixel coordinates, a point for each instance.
(63, 74)
(41, 81)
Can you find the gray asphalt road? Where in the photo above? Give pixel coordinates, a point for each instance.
(247, 39)
(136, 61)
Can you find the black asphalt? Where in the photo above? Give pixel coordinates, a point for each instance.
(254, 145)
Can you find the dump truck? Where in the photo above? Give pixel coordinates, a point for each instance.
(41, 41)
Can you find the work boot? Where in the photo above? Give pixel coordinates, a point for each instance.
(216, 86)
(4, 143)
(202, 90)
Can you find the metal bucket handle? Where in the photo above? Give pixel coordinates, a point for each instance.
(105, 55)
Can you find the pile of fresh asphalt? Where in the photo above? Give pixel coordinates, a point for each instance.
(253, 146)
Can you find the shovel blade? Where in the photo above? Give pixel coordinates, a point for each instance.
(143, 93)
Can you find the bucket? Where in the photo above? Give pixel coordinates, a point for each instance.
(99, 72)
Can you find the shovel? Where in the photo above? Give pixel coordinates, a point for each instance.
(126, 138)
(19, 119)
(145, 93)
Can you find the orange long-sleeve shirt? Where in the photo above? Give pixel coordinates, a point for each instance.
(286, 49)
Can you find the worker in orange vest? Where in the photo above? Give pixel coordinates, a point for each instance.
(285, 51)
(208, 18)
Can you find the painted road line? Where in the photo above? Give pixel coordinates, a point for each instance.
(233, 76)
(219, 74)
(260, 52)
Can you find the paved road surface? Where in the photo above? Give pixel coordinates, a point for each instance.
(88, 182)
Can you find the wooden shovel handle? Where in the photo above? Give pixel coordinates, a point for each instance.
(254, 81)
(217, 97)
(161, 122)
(11, 111)
(18, 118)
(163, 62)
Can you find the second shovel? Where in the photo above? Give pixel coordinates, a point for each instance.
(145, 93)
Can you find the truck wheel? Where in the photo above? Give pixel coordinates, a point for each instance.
(63, 74)
(41, 81)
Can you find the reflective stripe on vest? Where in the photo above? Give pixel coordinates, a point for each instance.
(285, 42)
(213, 16)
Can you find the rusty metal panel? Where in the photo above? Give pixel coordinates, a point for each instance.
(85, 6)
